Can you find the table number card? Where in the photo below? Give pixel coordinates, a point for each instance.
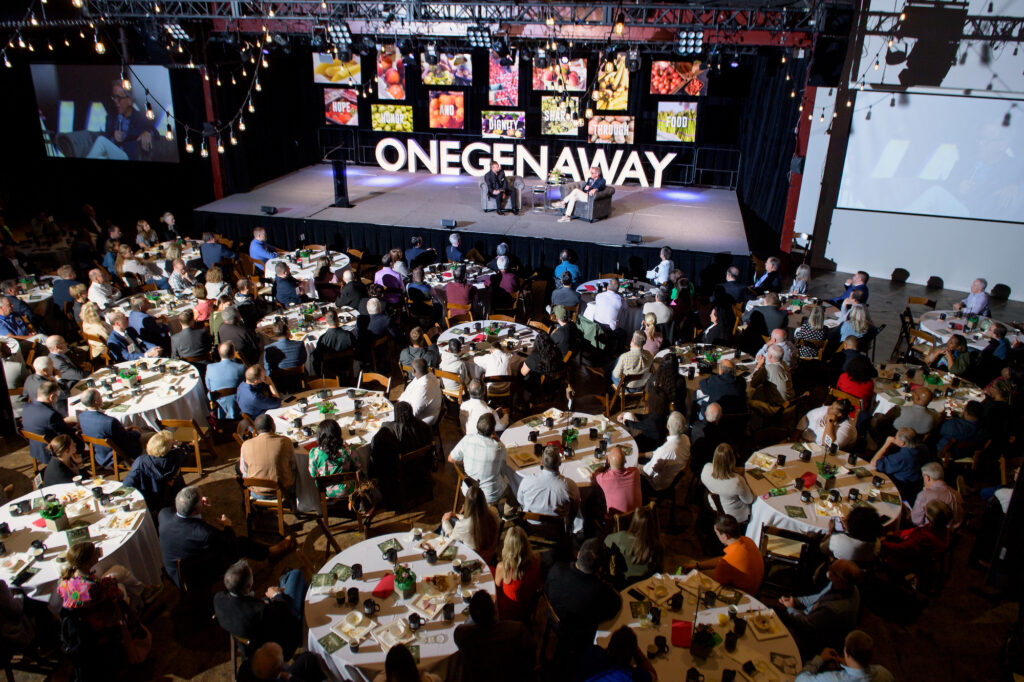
(77, 536)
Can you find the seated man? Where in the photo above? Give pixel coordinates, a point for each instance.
(20, 308)
(256, 395)
(492, 650)
(963, 429)
(954, 356)
(124, 345)
(935, 488)
(191, 341)
(101, 291)
(12, 324)
(823, 619)
(181, 280)
(725, 388)
(41, 417)
(483, 459)
(790, 355)
(917, 415)
(95, 424)
(547, 491)
(903, 465)
(226, 373)
(476, 405)
(581, 597)
(246, 342)
(419, 347)
(286, 287)
(659, 306)
(635, 361)
(566, 334)
(375, 324)
(659, 274)
(766, 318)
(594, 184)
(705, 436)
(670, 458)
(619, 483)
(732, 290)
(268, 456)
(66, 279)
(770, 281)
(285, 352)
(454, 250)
(43, 373)
(741, 566)
(423, 393)
(68, 371)
(214, 252)
(830, 424)
(353, 292)
(859, 282)
(565, 294)
(418, 255)
(499, 187)
(976, 302)
(274, 618)
(259, 250)
(335, 340)
(853, 664)
(771, 383)
(565, 264)
(145, 326)
(607, 305)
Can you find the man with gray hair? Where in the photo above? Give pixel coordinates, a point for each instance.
(94, 423)
(659, 274)
(423, 393)
(454, 252)
(976, 302)
(101, 291)
(594, 184)
(353, 291)
(634, 362)
(44, 372)
(936, 488)
(770, 280)
(472, 408)
(68, 371)
(771, 384)
(547, 491)
(659, 306)
(790, 355)
(668, 460)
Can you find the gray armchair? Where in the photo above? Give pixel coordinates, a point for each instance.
(489, 203)
(596, 207)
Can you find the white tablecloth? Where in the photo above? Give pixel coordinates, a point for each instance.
(674, 664)
(522, 335)
(138, 549)
(305, 271)
(940, 329)
(889, 394)
(37, 295)
(435, 638)
(15, 347)
(157, 401)
(631, 315)
(516, 439)
(166, 304)
(689, 353)
(296, 319)
(772, 510)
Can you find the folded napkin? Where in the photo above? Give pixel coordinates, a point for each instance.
(478, 338)
(447, 274)
(590, 287)
(385, 587)
(682, 633)
(41, 523)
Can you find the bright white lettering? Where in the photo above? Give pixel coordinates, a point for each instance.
(390, 142)
(659, 166)
(632, 170)
(567, 165)
(449, 157)
(416, 153)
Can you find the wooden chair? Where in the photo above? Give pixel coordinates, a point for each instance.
(841, 395)
(244, 430)
(463, 313)
(501, 318)
(290, 378)
(818, 346)
(250, 503)
(118, 467)
(497, 394)
(376, 378)
(670, 495)
(408, 498)
(105, 354)
(920, 344)
(572, 311)
(921, 300)
(516, 304)
(791, 550)
(317, 384)
(322, 483)
(28, 435)
(236, 643)
(338, 364)
(610, 275)
(548, 532)
(189, 431)
(628, 400)
(220, 393)
(454, 394)
(539, 326)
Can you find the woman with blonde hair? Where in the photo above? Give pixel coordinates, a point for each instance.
(811, 330)
(127, 263)
(637, 552)
(800, 279)
(145, 236)
(215, 284)
(96, 327)
(157, 473)
(517, 576)
(856, 323)
(478, 525)
(654, 339)
(721, 478)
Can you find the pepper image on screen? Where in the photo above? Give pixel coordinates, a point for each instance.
(395, 118)
(677, 121)
(390, 74)
(611, 130)
(684, 78)
(510, 124)
(559, 117)
(612, 91)
(503, 88)
(572, 75)
(451, 69)
(446, 110)
(328, 69)
(341, 107)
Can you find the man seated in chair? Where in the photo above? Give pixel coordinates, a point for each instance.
(635, 361)
(68, 371)
(594, 184)
(43, 372)
(268, 456)
(256, 394)
(41, 417)
(124, 344)
(212, 251)
(669, 459)
(227, 373)
(547, 491)
(285, 352)
(276, 617)
(191, 341)
(259, 250)
(95, 424)
(286, 287)
(499, 187)
(21, 309)
(475, 405)
(823, 619)
(12, 324)
(741, 566)
(423, 393)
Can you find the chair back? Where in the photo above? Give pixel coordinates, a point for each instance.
(790, 550)
(277, 503)
(244, 431)
(410, 494)
(538, 325)
(610, 275)
(499, 379)
(456, 313)
(840, 395)
(382, 381)
(114, 449)
(220, 393)
(818, 346)
(455, 394)
(317, 384)
(322, 483)
(501, 318)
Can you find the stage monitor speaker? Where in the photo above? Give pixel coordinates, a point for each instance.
(340, 184)
(448, 223)
(269, 210)
(830, 48)
(635, 238)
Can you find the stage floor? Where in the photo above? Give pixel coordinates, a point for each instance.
(688, 218)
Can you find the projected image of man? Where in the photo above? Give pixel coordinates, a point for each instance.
(129, 133)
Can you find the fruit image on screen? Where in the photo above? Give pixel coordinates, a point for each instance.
(558, 117)
(451, 69)
(446, 110)
(390, 74)
(611, 130)
(393, 118)
(677, 121)
(511, 124)
(503, 83)
(572, 75)
(679, 78)
(612, 91)
(328, 69)
(340, 106)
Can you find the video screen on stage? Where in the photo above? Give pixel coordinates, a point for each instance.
(328, 69)
(390, 74)
(679, 78)
(503, 124)
(85, 112)
(451, 69)
(503, 83)
(949, 156)
(677, 121)
(341, 106)
(571, 76)
(612, 91)
(447, 110)
(394, 118)
(611, 130)
(558, 115)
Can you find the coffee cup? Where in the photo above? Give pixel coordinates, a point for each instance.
(77, 479)
(417, 534)
(652, 651)
(728, 675)
(798, 483)
(5, 529)
(97, 491)
(852, 459)
(353, 595)
(654, 615)
(854, 494)
(709, 599)
(805, 496)
(467, 595)
(780, 460)
(415, 621)
(465, 574)
(357, 571)
(370, 607)
(739, 626)
(733, 612)
(877, 481)
(549, 422)
(126, 507)
(675, 603)
(431, 556)
(390, 555)
(694, 675)
(351, 393)
(353, 646)
(730, 641)
(662, 643)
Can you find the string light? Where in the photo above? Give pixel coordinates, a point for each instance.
(620, 23)
(188, 145)
(783, 57)
(233, 140)
(892, 102)
(877, 65)
(7, 62)
(903, 16)
(149, 111)
(801, 107)
(202, 151)
(49, 46)
(218, 81)
(821, 119)
(126, 83)
(220, 145)
(550, 21)
(21, 43)
(862, 86)
(266, 64)
(323, 4)
(233, 81)
(241, 124)
(244, 73)
(31, 48)
(868, 117)
(792, 94)
(787, 76)
(99, 46)
(849, 103)
(156, 7)
(77, 4)
(67, 43)
(257, 87)
(251, 108)
(206, 76)
(170, 133)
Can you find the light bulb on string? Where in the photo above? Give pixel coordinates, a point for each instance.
(810, 116)
(792, 94)
(251, 108)
(32, 20)
(156, 7)
(801, 107)
(21, 42)
(244, 72)
(835, 114)
(903, 16)
(98, 44)
(257, 87)
(217, 82)
(265, 63)
(783, 57)
(890, 41)
(220, 145)
(81, 34)
(149, 111)
(206, 76)
(180, 49)
(269, 39)
(271, 13)
(202, 151)
(67, 43)
(233, 140)
(787, 76)
(252, 58)
(862, 86)
(877, 64)
(849, 103)
(323, 4)
(233, 81)
(49, 46)
(821, 119)
(188, 145)
(892, 102)
(77, 4)
(31, 48)
(126, 83)
(241, 124)
(7, 62)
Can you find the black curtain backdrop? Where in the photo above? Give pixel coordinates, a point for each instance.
(537, 253)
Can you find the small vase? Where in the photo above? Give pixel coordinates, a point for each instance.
(57, 524)
(406, 590)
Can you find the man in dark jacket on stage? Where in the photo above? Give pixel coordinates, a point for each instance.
(498, 187)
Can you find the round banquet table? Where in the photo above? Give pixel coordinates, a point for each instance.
(773, 511)
(512, 336)
(890, 393)
(775, 655)
(13, 345)
(794, 304)
(59, 251)
(435, 638)
(38, 296)
(634, 295)
(689, 353)
(522, 460)
(164, 395)
(930, 323)
(304, 269)
(306, 328)
(137, 547)
(166, 304)
(438, 275)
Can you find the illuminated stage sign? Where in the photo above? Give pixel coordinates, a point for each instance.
(449, 157)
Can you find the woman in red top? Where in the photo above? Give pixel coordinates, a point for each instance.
(517, 576)
(859, 380)
(459, 291)
(916, 549)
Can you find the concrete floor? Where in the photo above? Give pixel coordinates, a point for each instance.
(965, 628)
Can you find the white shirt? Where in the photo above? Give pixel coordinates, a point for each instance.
(975, 304)
(667, 461)
(472, 409)
(102, 294)
(662, 313)
(607, 305)
(495, 364)
(450, 362)
(424, 396)
(846, 433)
(659, 274)
(734, 493)
(546, 492)
(483, 459)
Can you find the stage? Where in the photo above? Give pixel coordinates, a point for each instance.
(697, 223)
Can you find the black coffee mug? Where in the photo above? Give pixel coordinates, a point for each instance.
(415, 621)
(805, 496)
(877, 481)
(448, 612)
(709, 599)
(357, 403)
(852, 459)
(353, 646)
(465, 575)
(662, 643)
(351, 393)
(549, 422)
(593, 434)
(38, 544)
(391, 555)
(655, 615)
(97, 491)
(728, 675)
(730, 641)
(431, 556)
(357, 571)
(739, 626)
(676, 602)
(5, 529)
(323, 394)
(694, 675)
(370, 607)
(353, 595)
(780, 460)
(854, 494)
(798, 483)
(691, 372)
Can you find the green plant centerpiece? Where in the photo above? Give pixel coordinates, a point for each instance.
(129, 376)
(703, 641)
(570, 436)
(405, 581)
(55, 516)
(327, 407)
(555, 177)
(827, 471)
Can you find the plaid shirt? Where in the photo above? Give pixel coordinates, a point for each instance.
(483, 459)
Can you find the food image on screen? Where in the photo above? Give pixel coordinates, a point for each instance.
(510, 124)
(446, 110)
(85, 112)
(390, 74)
(683, 78)
(558, 117)
(341, 107)
(328, 69)
(677, 121)
(573, 75)
(611, 130)
(451, 69)
(503, 88)
(612, 91)
(396, 118)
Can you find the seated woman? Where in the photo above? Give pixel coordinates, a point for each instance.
(96, 327)
(800, 279)
(664, 388)
(79, 293)
(636, 553)
(204, 306)
(477, 527)
(400, 666)
(721, 478)
(916, 549)
(215, 284)
(544, 360)
(654, 338)
(459, 291)
(517, 576)
(403, 435)
(859, 543)
(719, 332)
(126, 263)
(856, 324)
(145, 236)
(811, 330)
(858, 379)
(157, 473)
(330, 456)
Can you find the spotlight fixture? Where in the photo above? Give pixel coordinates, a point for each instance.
(633, 63)
(339, 33)
(690, 42)
(407, 47)
(430, 55)
(478, 36)
(280, 39)
(176, 31)
(509, 59)
(541, 60)
(620, 23)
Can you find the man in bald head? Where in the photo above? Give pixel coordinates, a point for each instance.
(620, 484)
(823, 620)
(724, 388)
(917, 415)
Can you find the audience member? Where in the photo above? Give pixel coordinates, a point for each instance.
(65, 461)
(581, 598)
(936, 488)
(276, 617)
(419, 347)
(128, 440)
(659, 274)
(256, 394)
(285, 352)
(226, 373)
(246, 343)
(475, 406)
(493, 650)
(725, 388)
(267, 456)
(741, 566)
(659, 307)
(859, 541)
(42, 418)
(565, 294)
(830, 424)
(619, 483)
(607, 305)
(213, 252)
(671, 458)
(637, 553)
(720, 477)
(482, 457)
(823, 620)
(547, 491)
(976, 302)
(259, 250)
(800, 279)
(156, 474)
(517, 576)
(423, 393)
(477, 526)
(854, 664)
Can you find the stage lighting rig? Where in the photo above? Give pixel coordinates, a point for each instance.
(339, 33)
(479, 36)
(344, 53)
(430, 54)
(176, 31)
(690, 42)
(541, 59)
(633, 63)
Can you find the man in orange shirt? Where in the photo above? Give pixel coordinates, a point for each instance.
(742, 565)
